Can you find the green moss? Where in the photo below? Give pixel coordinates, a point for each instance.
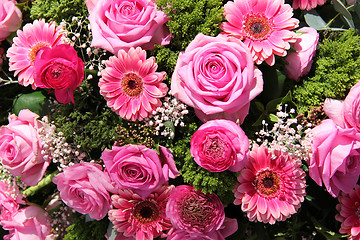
(56, 10)
(337, 69)
(82, 230)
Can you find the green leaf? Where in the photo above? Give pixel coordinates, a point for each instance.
(259, 106)
(259, 120)
(340, 7)
(35, 101)
(273, 117)
(273, 104)
(314, 20)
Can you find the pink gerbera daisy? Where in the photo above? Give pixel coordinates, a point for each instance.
(349, 213)
(307, 4)
(130, 84)
(263, 25)
(272, 186)
(134, 216)
(28, 42)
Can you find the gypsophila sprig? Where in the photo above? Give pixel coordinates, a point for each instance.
(287, 135)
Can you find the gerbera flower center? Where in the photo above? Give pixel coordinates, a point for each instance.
(196, 210)
(35, 49)
(132, 84)
(214, 147)
(267, 184)
(258, 26)
(146, 211)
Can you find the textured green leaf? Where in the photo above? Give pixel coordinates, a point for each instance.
(35, 101)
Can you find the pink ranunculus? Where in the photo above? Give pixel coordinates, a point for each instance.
(10, 18)
(345, 113)
(20, 147)
(122, 24)
(299, 63)
(139, 168)
(10, 198)
(59, 68)
(29, 223)
(335, 160)
(219, 145)
(86, 188)
(216, 76)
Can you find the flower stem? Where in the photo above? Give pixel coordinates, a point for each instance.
(44, 182)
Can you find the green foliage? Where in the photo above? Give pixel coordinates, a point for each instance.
(82, 230)
(56, 10)
(337, 70)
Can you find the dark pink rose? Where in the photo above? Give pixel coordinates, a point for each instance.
(335, 159)
(10, 18)
(29, 223)
(345, 113)
(299, 62)
(86, 188)
(122, 24)
(216, 76)
(59, 68)
(20, 147)
(10, 198)
(139, 168)
(219, 145)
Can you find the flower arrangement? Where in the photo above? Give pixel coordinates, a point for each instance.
(177, 119)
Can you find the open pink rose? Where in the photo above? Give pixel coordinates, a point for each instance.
(335, 160)
(29, 223)
(345, 113)
(299, 62)
(10, 18)
(219, 145)
(86, 188)
(216, 76)
(139, 168)
(122, 24)
(59, 68)
(20, 147)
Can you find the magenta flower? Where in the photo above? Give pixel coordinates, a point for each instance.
(130, 84)
(307, 4)
(194, 211)
(263, 25)
(349, 208)
(28, 42)
(144, 219)
(139, 168)
(219, 145)
(59, 68)
(272, 187)
(86, 188)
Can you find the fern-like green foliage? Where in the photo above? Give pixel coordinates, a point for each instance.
(82, 230)
(56, 10)
(221, 183)
(337, 70)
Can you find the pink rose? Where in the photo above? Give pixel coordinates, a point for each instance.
(216, 76)
(20, 147)
(139, 168)
(335, 160)
(30, 223)
(219, 145)
(85, 188)
(345, 113)
(59, 68)
(299, 62)
(10, 18)
(122, 24)
(10, 198)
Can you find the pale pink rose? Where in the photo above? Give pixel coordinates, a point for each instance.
(139, 168)
(10, 198)
(345, 113)
(10, 18)
(299, 62)
(335, 159)
(90, 4)
(59, 68)
(219, 145)
(216, 76)
(29, 223)
(86, 188)
(122, 24)
(20, 147)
